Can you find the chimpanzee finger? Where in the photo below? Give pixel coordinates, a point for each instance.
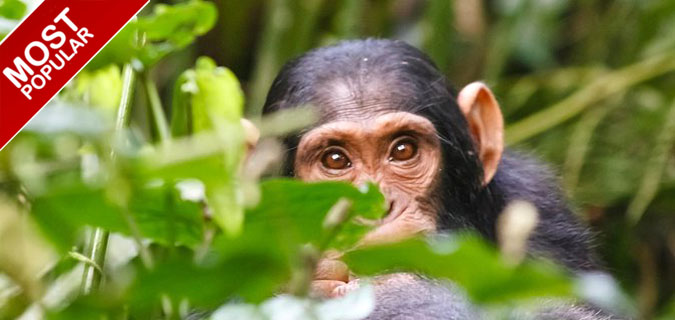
(329, 269)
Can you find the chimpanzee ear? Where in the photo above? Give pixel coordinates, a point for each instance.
(485, 123)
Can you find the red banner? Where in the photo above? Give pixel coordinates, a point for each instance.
(49, 48)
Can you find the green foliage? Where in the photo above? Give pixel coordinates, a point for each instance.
(210, 98)
(12, 9)
(159, 214)
(99, 88)
(205, 94)
(150, 38)
(457, 258)
(292, 204)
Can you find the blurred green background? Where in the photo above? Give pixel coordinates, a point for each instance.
(585, 85)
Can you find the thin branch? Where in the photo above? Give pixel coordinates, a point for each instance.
(656, 164)
(159, 121)
(580, 142)
(97, 244)
(97, 247)
(603, 87)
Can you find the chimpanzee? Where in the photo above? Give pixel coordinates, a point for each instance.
(387, 115)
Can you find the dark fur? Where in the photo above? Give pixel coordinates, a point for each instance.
(384, 75)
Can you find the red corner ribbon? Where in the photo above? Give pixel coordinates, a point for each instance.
(49, 48)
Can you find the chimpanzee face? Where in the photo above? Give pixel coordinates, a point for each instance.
(387, 116)
(398, 151)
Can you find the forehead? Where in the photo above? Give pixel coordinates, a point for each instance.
(365, 97)
(375, 124)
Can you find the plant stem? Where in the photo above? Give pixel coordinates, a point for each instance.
(656, 164)
(580, 142)
(159, 122)
(128, 83)
(98, 241)
(97, 246)
(267, 58)
(288, 29)
(603, 87)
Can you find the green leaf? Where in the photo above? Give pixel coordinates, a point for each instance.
(12, 9)
(101, 88)
(214, 96)
(209, 98)
(219, 95)
(178, 24)
(150, 38)
(159, 214)
(252, 274)
(300, 208)
(121, 49)
(213, 159)
(89, 307)
(468, 261)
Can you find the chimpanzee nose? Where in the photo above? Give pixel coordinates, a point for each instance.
(390, 208)
(372, 178)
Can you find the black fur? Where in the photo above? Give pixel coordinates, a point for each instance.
(385, 75)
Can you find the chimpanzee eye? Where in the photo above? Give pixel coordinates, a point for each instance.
(335, 159)
(403, 149)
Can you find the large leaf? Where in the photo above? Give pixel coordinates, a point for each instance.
(468, 261)
(204, 97)
(157, 211)
(101, 88)
(297, 210)
(12, 9)
(252, 274)
(209, 98)
(150, 38)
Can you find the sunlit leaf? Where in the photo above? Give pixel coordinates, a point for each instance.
(12, 9)
(102, 88)
(206, 95)
(149, 38)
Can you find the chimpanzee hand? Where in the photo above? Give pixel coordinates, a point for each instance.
(331, 277)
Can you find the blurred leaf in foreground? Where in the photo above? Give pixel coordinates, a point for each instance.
(23, 253)
(285, 212)
(468, 261)
(204, 95)
(250, 274)
(209, 98)
(12, 9)
(158, 212)
(150, 38)
(101, 88)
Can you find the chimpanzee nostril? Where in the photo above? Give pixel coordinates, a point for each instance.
(392, 213)
(390, 208)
